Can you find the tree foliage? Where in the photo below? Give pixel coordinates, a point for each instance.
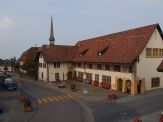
(1, 61)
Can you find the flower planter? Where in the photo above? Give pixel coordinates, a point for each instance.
(161, 117)
(112, 96)
(105, 85)
(136, 119)
(96, 83)
(23, 98)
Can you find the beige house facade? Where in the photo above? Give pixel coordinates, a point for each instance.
(127, 60)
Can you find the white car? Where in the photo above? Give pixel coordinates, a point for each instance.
(8, 80)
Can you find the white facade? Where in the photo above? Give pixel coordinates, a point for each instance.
(21, 64)
(10, 69)
(42, 72)
(147, 67)
(49, 73)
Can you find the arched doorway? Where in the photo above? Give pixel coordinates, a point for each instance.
(139, 82)
(128, 86)
(119, 85)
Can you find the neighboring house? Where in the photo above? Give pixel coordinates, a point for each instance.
(128, 60)
(55, 62)
(7, 66)
(27, 57)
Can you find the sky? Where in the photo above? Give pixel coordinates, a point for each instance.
(26, 23)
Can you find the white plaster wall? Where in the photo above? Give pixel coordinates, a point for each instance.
(41, 69)
(9, 69)
(147, 67)
(21, 63)
(113, 74)
(62, 70)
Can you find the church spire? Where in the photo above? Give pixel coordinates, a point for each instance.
(51, 38)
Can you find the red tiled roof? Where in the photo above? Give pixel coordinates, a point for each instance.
(59, 53)
(123, 47)
(30, 54)
(160, 67)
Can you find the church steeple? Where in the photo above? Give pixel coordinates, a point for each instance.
(51, 38)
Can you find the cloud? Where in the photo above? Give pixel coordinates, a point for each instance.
(6, 23)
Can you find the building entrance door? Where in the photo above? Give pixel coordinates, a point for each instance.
(69, 77)
(119, 84)
(139, 82)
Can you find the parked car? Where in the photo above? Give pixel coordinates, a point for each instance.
(1, 109)
(12, 86)
(8, 80)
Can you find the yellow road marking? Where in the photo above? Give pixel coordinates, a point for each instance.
(61, 98)
(50, 99)
(45, 100)
(66, 97)
(55, 98)
(39, 101)
(70, 96)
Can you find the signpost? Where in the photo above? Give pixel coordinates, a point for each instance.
(85, 89)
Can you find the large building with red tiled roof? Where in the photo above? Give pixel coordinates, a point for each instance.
(127, 60)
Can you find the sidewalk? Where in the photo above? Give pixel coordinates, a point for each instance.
(94, 93)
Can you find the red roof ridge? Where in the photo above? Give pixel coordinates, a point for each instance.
(111, 34)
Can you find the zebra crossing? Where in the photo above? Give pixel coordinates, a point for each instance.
(50, 99)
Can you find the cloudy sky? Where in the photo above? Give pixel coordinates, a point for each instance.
(26, 23)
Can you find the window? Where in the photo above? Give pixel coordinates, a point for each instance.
(161, 52)
(42, 75)
(101, 52)
(130, 69)
(90, 66)
(89, 76)
(106, 78)
(96, 77)
(44, 65)
(99, 66)
(155, 82)
(148, 52)
(57, 77)
(117, 68)
(79, 65)
(40, 65)
(56, 65)
(107, 67)
(154, 52)
(75, 74)
(74, 64)
(125, 68)
(80, 74)
(83, 52)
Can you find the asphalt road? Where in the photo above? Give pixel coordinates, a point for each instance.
(147, 107)
(49, 106)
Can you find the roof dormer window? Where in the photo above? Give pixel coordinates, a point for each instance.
(84, 52)
(101, 52)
